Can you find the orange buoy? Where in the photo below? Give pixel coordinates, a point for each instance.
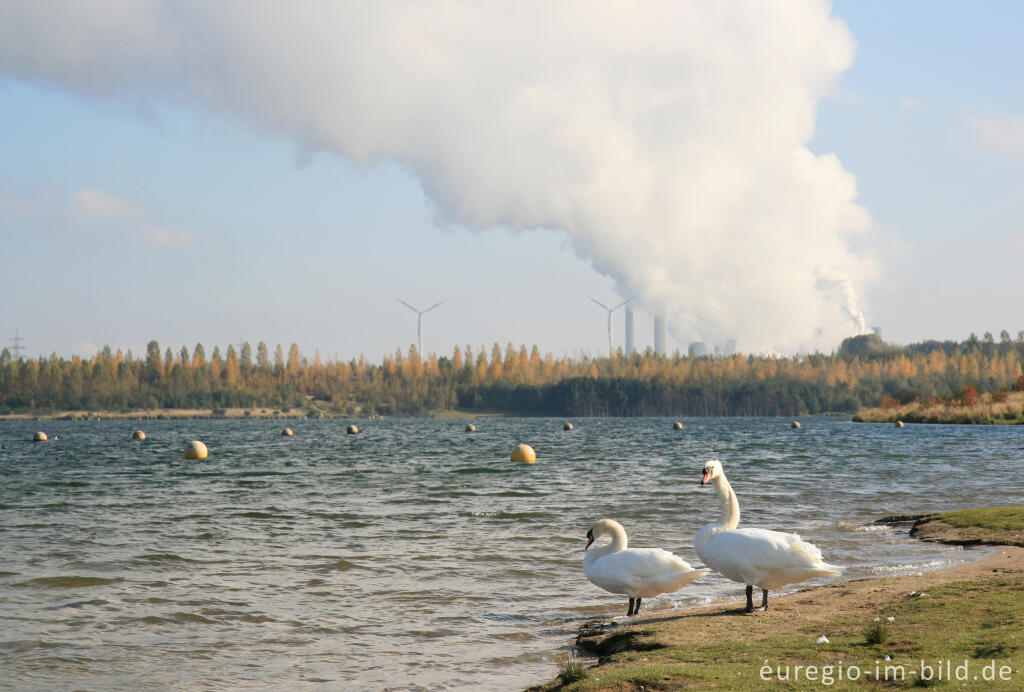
(524, 453)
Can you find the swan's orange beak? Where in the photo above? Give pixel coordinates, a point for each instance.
(706, 477)
(590, 539)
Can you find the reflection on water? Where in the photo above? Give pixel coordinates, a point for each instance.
(414, 555)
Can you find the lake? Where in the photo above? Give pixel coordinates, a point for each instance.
(415, 555)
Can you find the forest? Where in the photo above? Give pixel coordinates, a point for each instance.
(863, 372)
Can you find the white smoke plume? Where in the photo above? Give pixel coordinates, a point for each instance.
(668, 139)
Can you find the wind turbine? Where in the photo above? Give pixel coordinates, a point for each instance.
(419, 323)
(610, 311)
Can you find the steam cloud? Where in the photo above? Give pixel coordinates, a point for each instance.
(668, 139)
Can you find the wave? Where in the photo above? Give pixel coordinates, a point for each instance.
(79, 604)
(18, 645)
(867, 528)
(510, 515)
(335, 564)
(262, 515)
(161, 558)
(177, 619)
(481, 469)
(68, 581)
(913, 566)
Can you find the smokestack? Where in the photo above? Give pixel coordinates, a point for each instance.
(629, 331)
(659, 334)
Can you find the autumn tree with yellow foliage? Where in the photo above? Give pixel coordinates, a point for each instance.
(516, 380)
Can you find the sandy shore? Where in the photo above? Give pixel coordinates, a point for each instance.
(722, 647)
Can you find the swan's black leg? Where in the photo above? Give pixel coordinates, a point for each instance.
(764, 600)
(636, 611)
(750, 598)
(629, 613)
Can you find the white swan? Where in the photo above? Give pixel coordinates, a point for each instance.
(637, 572)
(755, 557)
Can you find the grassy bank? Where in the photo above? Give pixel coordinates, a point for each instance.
(986, 526)
(969, 615)
(1000, 408)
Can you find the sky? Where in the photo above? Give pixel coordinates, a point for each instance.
(782, 174)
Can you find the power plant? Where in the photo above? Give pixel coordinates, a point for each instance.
(701, 348)
(698, 349)
(660, 334)
(630, 348)
(726, 349)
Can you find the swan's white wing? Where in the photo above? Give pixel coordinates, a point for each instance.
(767, 559)
(643, 572)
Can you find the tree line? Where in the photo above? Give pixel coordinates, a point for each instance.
(863, 372)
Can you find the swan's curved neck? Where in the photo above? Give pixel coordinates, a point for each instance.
(618, 544)
(730, 505)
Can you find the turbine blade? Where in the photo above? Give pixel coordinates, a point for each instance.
(599, 303)
(407, 305)
(623, 303)
(432, 307)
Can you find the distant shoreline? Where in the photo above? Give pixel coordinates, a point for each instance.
(159, 414)
(224, 414)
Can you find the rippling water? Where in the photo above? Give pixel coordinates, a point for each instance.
(413, 555)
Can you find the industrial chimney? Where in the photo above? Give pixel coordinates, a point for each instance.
(629, 331)
(660, 331)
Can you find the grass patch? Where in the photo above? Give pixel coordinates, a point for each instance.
(876, 634)
(572, 670)
(994, 650)
(1008, 518)
(991, 525)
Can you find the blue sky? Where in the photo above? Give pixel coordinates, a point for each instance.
(910, 124)
(278, 249)
(135, 214)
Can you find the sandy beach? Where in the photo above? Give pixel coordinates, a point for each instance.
(967, 617)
